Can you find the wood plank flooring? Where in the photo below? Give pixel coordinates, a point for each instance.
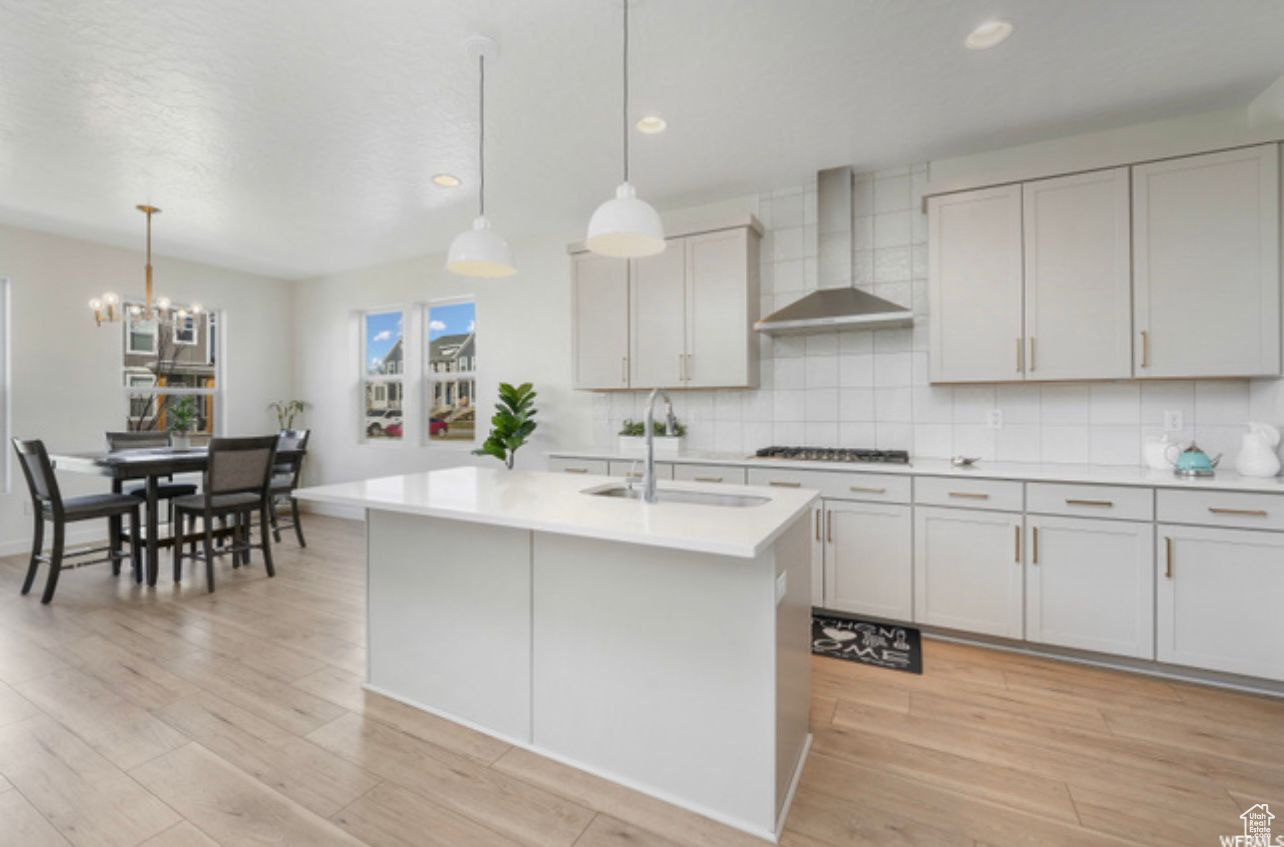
(175, 718)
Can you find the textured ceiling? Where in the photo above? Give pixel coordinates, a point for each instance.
(297, 137)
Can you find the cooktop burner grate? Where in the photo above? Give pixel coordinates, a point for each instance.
(835, 454)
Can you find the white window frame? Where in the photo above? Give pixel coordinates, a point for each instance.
(180, 341)
(6, 384)
(129, 336)
(429, 377)
(366, 378)
(220, 377)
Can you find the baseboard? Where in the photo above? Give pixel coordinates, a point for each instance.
(76, 536)
(793, 787)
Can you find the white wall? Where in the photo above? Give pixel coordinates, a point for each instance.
(523, 335)
(67, 372)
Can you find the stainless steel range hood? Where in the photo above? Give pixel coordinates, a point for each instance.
(838, 304)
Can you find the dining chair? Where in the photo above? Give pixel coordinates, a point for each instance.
(48, 505)
(285, 479)
(238, 477)
(166, 490)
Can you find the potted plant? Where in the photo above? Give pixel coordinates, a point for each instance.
(182, 422)
(512, 423)
(633, 437)
(286, 412)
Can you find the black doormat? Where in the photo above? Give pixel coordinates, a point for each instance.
(884, 645)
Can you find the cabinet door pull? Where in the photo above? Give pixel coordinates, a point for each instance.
(708, 479)
(818, 524)
(1020, 348)
(687, 371)
(970, 495)
(1105, 504)
(829, 525)
(1032, 359)
(633, 475)
(1248, 513)
(780, 483)
(1168, 570)
(1034, 547)
(624, 370)
(682, 368)
(864, 489)
(1145, 349)
(1018, 543)
(575, 470)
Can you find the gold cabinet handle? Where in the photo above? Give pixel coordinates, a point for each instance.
(682, 368)
(1020, 348)
(575, 470)
(688, 369)
(1034, 547)
(1018, 543)
(624, 370)
(780, 483)
(829, 526)
(708, 479)
(1105, 504)
(1032, 353)
(818, 524)
(1168, 570)
(633, 475)
(1247, 513)
(863, 489)
(1145, 349)
(969, 495)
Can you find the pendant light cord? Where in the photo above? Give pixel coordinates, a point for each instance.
(481, 137)
(626, 91)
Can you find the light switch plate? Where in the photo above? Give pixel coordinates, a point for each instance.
(782, 586)
(1173, 420)
(994, 419)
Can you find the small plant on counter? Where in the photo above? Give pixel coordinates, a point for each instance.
(512, 423)
(182, 419)
(637, 429)
(286, 412)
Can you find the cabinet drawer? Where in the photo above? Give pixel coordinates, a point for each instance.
(1095, 501)
(634, 468)
(1222, 508)
(838, 485)
(710, 473)
(1003, 495)
(565, 464)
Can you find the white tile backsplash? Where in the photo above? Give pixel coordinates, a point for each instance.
(870, 389)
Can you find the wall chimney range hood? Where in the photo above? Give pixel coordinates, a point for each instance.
(838, 304)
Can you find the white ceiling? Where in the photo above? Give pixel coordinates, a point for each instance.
(297, 137)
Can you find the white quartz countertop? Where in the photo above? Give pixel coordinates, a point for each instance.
(556, 503)
(1225, 480)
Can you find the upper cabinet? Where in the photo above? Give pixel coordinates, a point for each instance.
(974, 266)
(1207, 264)
(1077, 277)
(680, 319)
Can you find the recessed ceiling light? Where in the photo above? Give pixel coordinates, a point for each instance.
(987, 35)
(651, 124)
(446, 180)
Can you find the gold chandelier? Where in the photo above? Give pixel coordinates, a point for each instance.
(109, 308)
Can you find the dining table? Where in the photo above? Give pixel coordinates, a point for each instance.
(150, 464)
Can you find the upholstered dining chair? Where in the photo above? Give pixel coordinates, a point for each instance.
(48, 505)
(237, 481)
(166, 490)
(285, 478)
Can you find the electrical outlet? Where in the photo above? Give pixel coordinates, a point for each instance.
(1173, 420)
(994, 419)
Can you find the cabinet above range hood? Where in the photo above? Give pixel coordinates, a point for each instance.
(838, 304)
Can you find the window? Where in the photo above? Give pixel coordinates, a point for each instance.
(383, 369)
(165, 362)
(6, 384)
(451, 374)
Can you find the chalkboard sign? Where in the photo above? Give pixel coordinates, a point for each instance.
(884, 645)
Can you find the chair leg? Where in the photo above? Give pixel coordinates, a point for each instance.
(37, 542)
(191, 526)
(276, 530)
(267, 542)
(55, 562)
(136, 546)
(208, 538)
(238, 532)
(114, 543)
(176, 529)
(298, 524)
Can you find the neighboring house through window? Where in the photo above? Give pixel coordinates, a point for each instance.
(383, 371)
(451, 372)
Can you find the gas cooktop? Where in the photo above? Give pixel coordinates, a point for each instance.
(835, 454)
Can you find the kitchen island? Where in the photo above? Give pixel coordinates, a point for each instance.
(664, 646)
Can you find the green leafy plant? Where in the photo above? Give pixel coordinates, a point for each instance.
(286, 412)
(182, 415)
(512, 423)
(637, 429)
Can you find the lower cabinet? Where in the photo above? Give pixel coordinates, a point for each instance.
(1090, 585)
(1219, 599)
(869, 565)
(968, 570)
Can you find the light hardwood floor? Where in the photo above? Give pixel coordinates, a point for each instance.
(175, 717)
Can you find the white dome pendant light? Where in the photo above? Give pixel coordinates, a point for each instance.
(625, 226)
(479, 252)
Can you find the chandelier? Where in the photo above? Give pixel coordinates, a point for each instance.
(109, 307)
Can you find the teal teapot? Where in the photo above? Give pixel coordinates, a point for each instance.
(1191, 462)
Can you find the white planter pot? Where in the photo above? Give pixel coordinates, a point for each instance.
(664, 445)
(180, 440)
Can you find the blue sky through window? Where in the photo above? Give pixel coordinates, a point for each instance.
(453, 319)
(383, 329)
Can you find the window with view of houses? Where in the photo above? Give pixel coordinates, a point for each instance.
(167, 361)
(451, 372)
(383, 369)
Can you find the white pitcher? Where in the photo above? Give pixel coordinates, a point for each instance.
(1257, 456)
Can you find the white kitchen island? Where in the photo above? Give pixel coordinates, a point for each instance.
(663, 646)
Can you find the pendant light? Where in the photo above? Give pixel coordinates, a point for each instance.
(479, 252)
(625, 226)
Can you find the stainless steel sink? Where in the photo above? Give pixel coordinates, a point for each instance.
(672, 495)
